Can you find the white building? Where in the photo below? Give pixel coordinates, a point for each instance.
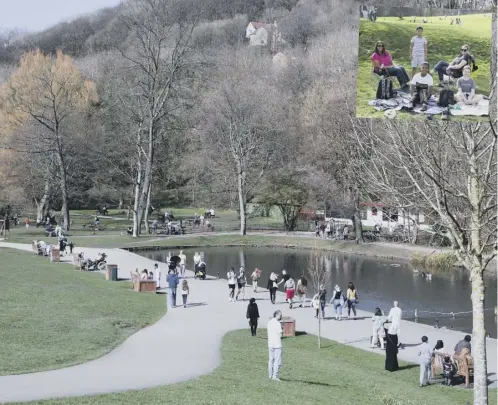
(389, 217)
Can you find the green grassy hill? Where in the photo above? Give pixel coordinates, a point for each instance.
(444, 39)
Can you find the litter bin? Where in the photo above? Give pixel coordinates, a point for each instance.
(111, 273)
(55, 255)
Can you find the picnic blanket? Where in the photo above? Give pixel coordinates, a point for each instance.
(478, 111)
(402, 101)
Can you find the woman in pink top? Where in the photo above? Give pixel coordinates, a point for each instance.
(383, 64)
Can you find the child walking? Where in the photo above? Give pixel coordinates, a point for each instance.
(418, 50)
(252, 315)
(185, 292)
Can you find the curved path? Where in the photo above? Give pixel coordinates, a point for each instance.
(168, 351)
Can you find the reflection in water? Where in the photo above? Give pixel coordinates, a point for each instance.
(378, 282)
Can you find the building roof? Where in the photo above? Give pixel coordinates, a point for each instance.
(257, 24)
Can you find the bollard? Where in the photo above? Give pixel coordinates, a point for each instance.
(416, 313)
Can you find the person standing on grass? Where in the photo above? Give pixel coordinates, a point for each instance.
(172, 285)
(241, 284)
(272, 286)
(425, 356)
(289, 287)
(183, 261)
(252, 315)
(185, 292)
(232, 279)
(418, 50)
(255, 276)
(351, 296)
(274, 329)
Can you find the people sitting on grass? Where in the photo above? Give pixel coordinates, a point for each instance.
(418, 50)
(453, 69)
(421, 87)
(466, 94)
(383, 64)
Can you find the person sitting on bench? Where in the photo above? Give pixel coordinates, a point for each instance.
(422, 84)
(467, 89)
(453, 69)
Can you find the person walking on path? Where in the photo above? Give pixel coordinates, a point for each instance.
(197, 258)
(241, 284)
(255, 276)
(425, 356)
(252, 315)
(274, 329)
(289, 287)
(272, 286)
(157, 273)
(378, 334)
(395, 318)
(172, 285)
(352, 297)
(338, 301)
(232, 279)
(301, 290)
(183, 262)
(185, 292)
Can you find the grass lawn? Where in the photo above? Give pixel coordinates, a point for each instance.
(333, 374)
(54, 316)
(445, 41)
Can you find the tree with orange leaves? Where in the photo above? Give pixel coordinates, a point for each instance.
(47, 91)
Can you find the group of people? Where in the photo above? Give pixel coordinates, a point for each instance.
(422, 83)
(238, 280)
(327, 229)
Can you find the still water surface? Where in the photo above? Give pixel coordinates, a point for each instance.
(378, 281)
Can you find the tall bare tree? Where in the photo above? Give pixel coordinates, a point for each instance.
(159, 53)
(449, 169)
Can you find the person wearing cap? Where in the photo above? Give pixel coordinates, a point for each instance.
(252, 314)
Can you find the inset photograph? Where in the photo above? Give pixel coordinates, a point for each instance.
(431, 63)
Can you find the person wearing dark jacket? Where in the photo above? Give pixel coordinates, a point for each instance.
(252, 315)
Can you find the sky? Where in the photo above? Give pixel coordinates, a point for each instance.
(36, 15)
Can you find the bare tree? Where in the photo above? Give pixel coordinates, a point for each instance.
(449, 169)
(320, 276)
(244, 116)
(160, 48)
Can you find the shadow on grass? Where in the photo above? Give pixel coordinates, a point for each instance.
(300, 333)
(408, 367)
(309, 382)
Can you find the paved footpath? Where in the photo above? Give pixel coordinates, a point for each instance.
(173, 340)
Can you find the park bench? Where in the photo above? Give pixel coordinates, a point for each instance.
(464, 367)
(37, 249)
(77, 263)
(142, 285)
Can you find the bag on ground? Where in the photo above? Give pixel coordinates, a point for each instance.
(385, 89)
(446, 98)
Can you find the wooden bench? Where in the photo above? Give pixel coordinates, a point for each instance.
(142, 285)
(465, 368)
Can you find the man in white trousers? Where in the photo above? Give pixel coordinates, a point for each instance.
(274, 329)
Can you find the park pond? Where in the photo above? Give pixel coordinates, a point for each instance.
(378, 281)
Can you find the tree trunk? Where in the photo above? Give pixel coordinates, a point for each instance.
(64, 196)
(146, 212)
(137, 222)
(121, 202)
(479, 338)
(147, 178)
(242, 199)
(319, 327)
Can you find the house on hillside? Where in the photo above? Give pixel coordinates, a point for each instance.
(257, 33)
(389, 217)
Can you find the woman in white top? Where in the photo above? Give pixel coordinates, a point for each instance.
(183, 262)
(232, 280)
(197, 258)
(185, 292)
(272, 286)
